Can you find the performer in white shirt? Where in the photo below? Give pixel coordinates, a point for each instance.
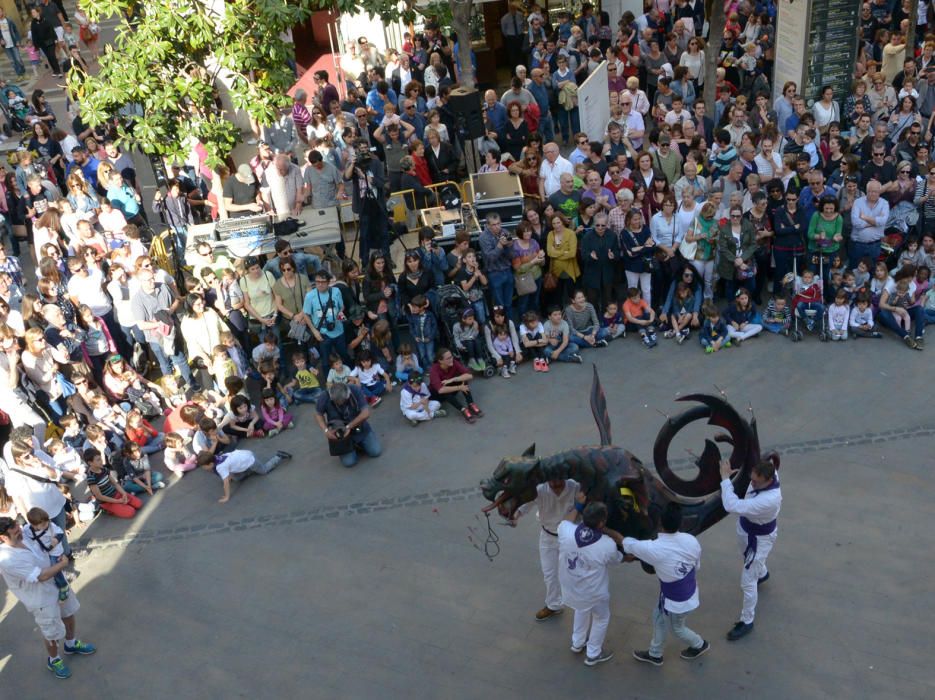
(756, 532)
(676, 557)
(585, 550)
(554, 500)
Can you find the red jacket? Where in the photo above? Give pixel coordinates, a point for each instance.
(143, 434)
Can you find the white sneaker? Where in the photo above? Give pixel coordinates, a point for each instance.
(505, 373)
(512, 368)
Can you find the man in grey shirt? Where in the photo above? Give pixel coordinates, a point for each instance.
(153, 307)
(323, 181)
(283, 188)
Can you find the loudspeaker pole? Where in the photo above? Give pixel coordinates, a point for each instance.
(471, 155)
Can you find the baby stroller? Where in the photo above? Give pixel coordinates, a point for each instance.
(812, 319)
(451, 302)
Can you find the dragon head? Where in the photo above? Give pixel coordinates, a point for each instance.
(513, 482)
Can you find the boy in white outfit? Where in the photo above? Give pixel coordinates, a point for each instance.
(414, 400)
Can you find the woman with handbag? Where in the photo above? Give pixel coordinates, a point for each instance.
(288, 295)
(639, 255)
(528, 259)
(736, 245)
(698, 246)
(43, 365)
(562, 247)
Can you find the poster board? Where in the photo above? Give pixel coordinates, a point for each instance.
(791, 43)
(594, 103)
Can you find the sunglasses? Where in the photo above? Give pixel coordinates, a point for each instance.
(904, 172)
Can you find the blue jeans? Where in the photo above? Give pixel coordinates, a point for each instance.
(378, 388)
(370, 444)
(156, 444)
(480, 313)
(857, 250)
(928, 315)
(501, 287)
(327, 346)
(529, 302)
(579, 339)
(566, 355)
(547, 127)
(155, 478)
(815, 306)
(916, 315)
(426, 351)
(60, 521)
(568, 117)
(306, 395)
(178, 359)
(13, 53)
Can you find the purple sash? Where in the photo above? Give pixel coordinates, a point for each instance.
(755, 530)
(678, 591)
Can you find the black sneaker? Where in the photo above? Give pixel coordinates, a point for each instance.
(690, 654)
(763, 579)
(576, 358)
(600, 343)
(605, 655)
(740, 629)
(283, 454)
(646, 658)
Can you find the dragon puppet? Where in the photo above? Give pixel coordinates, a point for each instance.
(634, 496)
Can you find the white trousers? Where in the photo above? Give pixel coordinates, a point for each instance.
(548, 558)
(750, 330)
(642, 281)
(757, 570)
(595, 618)
(422, 414)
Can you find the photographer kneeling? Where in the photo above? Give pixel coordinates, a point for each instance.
(342, 414)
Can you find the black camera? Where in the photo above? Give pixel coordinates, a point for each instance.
(329, 326)
(363, 153)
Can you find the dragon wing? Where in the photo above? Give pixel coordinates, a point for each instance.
(599, 408)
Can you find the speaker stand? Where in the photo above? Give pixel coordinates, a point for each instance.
(472, 155)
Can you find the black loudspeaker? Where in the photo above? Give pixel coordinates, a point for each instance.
(465, 105)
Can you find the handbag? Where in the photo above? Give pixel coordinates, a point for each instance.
(298, 331)
(749, 273)
(549, 282)
(68, 389)
(525, 283)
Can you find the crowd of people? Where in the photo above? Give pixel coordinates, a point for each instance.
(752, 215)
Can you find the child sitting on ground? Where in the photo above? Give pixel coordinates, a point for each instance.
(236, 353)
(269, 379)
(72, 435)
(179, 456)
(242, 421)
(741, 318)
(861, 319)
(222, 366)
(209, 437)
(275, 418)
(406, 361)
(640, 317)
(777, 317)
(106, 490)
(559, 345)
(683, 303)
(503, 345)
(612, 319)
(267, 351)
(371, 377)
(532, 338)
(40, 530)
(423, 327)
(381, 339)
(66, 460)
(138, 477)
(838, 315)
(713, 330)
(466, 334)
(304, 384)
(173, 394)
(415, 401)
(339, 372)
(143, 433)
